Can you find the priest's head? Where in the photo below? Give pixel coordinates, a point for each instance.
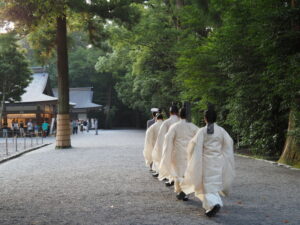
(210, 116)
(182, 113)
(173, 109)
(159, 116)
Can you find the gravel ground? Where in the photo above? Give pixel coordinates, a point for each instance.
(103, 180)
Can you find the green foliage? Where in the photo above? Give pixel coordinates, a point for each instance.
(248, 67)
(39, 18)
(241, 55)
(14, 72)
(146, 58)
(295, 131)
(84, 73)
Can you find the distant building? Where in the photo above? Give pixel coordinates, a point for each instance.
(37, 103)
(82, 97)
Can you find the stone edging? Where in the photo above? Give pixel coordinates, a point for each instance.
(268, 161)
(22, 153)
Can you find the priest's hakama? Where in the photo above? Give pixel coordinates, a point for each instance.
(158, 148)
(150, 139)
(210, 169)
(174, 157)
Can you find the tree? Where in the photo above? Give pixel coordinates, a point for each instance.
(14, 73)
(143, 59)
(32, 14)
(248, 65)
(197, 72)
(291, 152)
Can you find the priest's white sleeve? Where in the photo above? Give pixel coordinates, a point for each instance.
(157, 151)
(148, 147)
(192, 181)
(165, 165)
(229, 165)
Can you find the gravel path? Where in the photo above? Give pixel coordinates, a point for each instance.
(103, 180)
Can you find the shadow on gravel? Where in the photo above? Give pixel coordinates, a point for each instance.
(237, 215)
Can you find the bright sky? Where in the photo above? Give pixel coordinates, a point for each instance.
(9, 25)
(6, 27)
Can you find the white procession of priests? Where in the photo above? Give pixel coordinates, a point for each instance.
(150, 139)
(159, 143)
(196, 160)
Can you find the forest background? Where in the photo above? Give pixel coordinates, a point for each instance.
(240, 55)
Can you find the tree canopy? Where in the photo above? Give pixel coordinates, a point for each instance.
(243, 56)
(14, 72)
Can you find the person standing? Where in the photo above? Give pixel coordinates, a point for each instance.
(5, 130)
(96, 126)
(88, 125)
(22, 133)
(36, 129)
(150, 139)
(74, 125)
(152, 121)
(81, 126)
(174, 157)
(84, 125)
(29, 127)
(76, 128)
(210, 171)
(45, 126)
(12, 128)
(15, 126)
(158, 147)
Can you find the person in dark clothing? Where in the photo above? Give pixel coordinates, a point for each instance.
(152, 121)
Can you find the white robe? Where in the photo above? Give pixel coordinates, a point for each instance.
(211, 163)
(150, 139)
(174, 157)
(158, 147)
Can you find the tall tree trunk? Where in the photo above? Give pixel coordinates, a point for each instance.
(63, 118)
(291, 152)
(179, 4)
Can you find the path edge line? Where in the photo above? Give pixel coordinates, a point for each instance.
(24, 152)
(269, 161)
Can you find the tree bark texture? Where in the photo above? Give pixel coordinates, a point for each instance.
(179, 4)
(63, 118)
(291, 152)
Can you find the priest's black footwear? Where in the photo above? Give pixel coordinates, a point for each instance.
(181, 196)
(168, 184)
(213, 211)
(185, 199)
(155, 174)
